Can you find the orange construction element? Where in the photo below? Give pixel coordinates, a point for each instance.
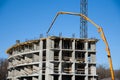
(100, 30)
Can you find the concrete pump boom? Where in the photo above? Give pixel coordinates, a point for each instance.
(100, 30)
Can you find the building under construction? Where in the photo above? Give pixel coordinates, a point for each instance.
(53, 58)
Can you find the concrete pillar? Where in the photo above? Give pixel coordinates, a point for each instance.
(73, 77)
(60, 77)
(40, 60)
(60, 53)
(86, 61)
(49, 65)
(73, 59)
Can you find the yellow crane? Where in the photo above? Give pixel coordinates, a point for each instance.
(100, 30)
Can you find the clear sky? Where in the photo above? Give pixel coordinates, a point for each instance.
(27, 19)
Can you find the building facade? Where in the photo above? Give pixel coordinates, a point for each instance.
(53, 58)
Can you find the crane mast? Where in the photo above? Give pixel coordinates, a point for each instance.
(83, 22)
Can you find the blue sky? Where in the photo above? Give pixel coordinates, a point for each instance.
(27, 19)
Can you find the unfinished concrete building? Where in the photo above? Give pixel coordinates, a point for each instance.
(53, 58)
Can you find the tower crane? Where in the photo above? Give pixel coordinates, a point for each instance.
(100, 31)
(83, 22)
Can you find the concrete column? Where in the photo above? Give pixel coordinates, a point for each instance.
(60, 59)
(60, 44)
(49, 65)
(60, 77)
(73, 59)
(60, 53)
(73, 77)
(86, 61)
(41, 51)
(40, 60)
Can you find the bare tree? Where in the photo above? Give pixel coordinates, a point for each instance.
(103, 72)
(117, 74)
(3, 69)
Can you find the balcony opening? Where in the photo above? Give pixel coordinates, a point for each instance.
(56, 68)
(35, 68)
(66, 55)
(80, 68)
(80, 56)
(43, 68)
(27, 78)
(29, 58)
(23, 59)
(22, 48)
(44, 44)
(31, 47)
(56, 77)
(26, 47)
(37, 46)
(79, 45)
(44, 56)
(79, 78)
(66, 44)
(56, 43)
(66, 77)
(36, 57)
(56, 55)
(89, 58)
(29, 69)
(67, 67)
(89, 46)
(43, 77)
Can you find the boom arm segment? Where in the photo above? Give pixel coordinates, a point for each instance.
(100, 30)
(70, 13)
